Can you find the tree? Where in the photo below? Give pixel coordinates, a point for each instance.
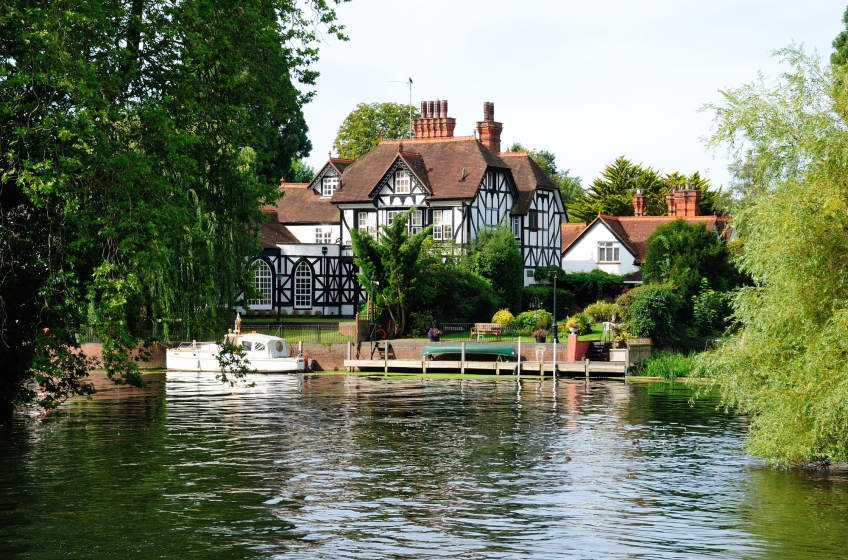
(612, 192)
(841, 44)
(680, 254)
(787, 366)
(393, 261)
(131, 135)
(288, 145)
(496, 255)
(360, 131)
(300, 172)
(570, 187)
(743, 187)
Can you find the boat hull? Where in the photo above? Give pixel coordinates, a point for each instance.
(206, 361)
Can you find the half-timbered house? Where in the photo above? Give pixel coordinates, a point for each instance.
(458, 184)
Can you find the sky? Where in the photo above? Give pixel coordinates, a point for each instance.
(587, 80)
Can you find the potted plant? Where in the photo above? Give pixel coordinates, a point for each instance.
(573, 327)
(540, 335)
(434, 334)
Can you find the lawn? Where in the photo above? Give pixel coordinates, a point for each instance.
(597, 329)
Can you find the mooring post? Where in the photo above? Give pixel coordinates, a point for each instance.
(553, 373)
(518, 369)
(349, 354)
(462, 361)
(300, 347)
(586, 363)
(386, 357)
(424, 366)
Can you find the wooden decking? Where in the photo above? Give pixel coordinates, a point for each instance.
(585, 368)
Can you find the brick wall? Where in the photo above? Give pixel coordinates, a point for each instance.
(156, 361)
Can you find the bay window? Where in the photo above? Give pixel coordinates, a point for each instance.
(442, 225)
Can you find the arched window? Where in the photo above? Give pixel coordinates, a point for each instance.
(262, 281)
(303, 285)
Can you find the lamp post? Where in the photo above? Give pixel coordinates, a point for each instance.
(373, 326)
(554, 328)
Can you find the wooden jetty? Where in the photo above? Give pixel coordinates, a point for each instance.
(585, 368)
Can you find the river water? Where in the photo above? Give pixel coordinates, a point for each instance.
(338, 466)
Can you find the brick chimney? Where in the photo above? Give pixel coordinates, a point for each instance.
(489, 130)
(434, 121)
(638, 203)
(687, 201)
(670, 202)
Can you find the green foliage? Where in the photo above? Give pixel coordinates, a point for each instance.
(787, 366)
(234, 363)
(840, 44)
(654, 314)
(133, 135)
(709, 310)
(504, 317)
(393, 262)
(544, 295)
(667, 365)
(360, 131)
(586, 286)
(584, 323)
(526, 321)
(625, 302)
(612, 192)
(570, 188)
(422, 321)
(745, 184)
(681, 254)
(300, 173)
(602, 311)
(495, 255)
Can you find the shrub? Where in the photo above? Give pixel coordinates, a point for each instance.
(307, 313)
(709, 309)
(545, 296)
(295, 313)
(251, 313)
(602, 311)
(585, 286)
(504, 317)
(585, 322)
(284, 313)
(654, 313)
(667, 365)
(495, 254)
(421, 323)
(527, 321)
(625, 302)
(319, 313)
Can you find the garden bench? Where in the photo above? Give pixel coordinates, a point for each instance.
(495, 329)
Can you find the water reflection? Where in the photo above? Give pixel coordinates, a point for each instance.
(337, 466)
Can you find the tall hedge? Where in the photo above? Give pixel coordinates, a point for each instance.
(655, 312)
(545, 296)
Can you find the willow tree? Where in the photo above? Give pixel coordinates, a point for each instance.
(787, 366)
(130, 136)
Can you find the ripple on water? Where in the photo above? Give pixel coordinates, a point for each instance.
(336, 466)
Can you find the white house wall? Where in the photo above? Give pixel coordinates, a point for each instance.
(582, 256)
(306, 234)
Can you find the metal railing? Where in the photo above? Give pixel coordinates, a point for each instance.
(310, 334)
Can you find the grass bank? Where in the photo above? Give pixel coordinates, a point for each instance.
(666, 365)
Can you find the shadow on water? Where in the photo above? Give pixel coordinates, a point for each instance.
(337, 466)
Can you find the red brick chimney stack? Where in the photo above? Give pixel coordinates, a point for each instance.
(489, 130)
(434, 121)
(687, 201)
(638, 203)
(670, 202)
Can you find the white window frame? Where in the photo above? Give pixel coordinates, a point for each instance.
(608, 252)
(303, 286)
(443, 225)
(516, 226)
(390, 216)
(415, 222)
(367, 222)
(403, 182)
(323, 235)
(328, 186)
(263, 280)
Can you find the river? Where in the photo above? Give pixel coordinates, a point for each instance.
(347, 466)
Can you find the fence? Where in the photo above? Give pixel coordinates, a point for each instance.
(313, 334)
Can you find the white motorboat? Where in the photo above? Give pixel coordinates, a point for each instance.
(263, 353)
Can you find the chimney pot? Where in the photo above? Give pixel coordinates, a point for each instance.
(444, 108)
(423, 109)
(431, 109)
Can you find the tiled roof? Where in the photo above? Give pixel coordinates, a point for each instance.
(271, 233)
(528, 177)
(633, 231)
(340, 164)
(303, 206)
(570, 232)
(442, 159)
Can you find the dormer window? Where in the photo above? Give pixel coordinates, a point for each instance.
(401, 182)
(328, 186)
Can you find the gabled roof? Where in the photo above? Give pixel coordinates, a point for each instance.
(528, 177)
(570, 231)
(301, 205)
(440, 160)
(340, 164)
(633, 231)
(271, 233)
